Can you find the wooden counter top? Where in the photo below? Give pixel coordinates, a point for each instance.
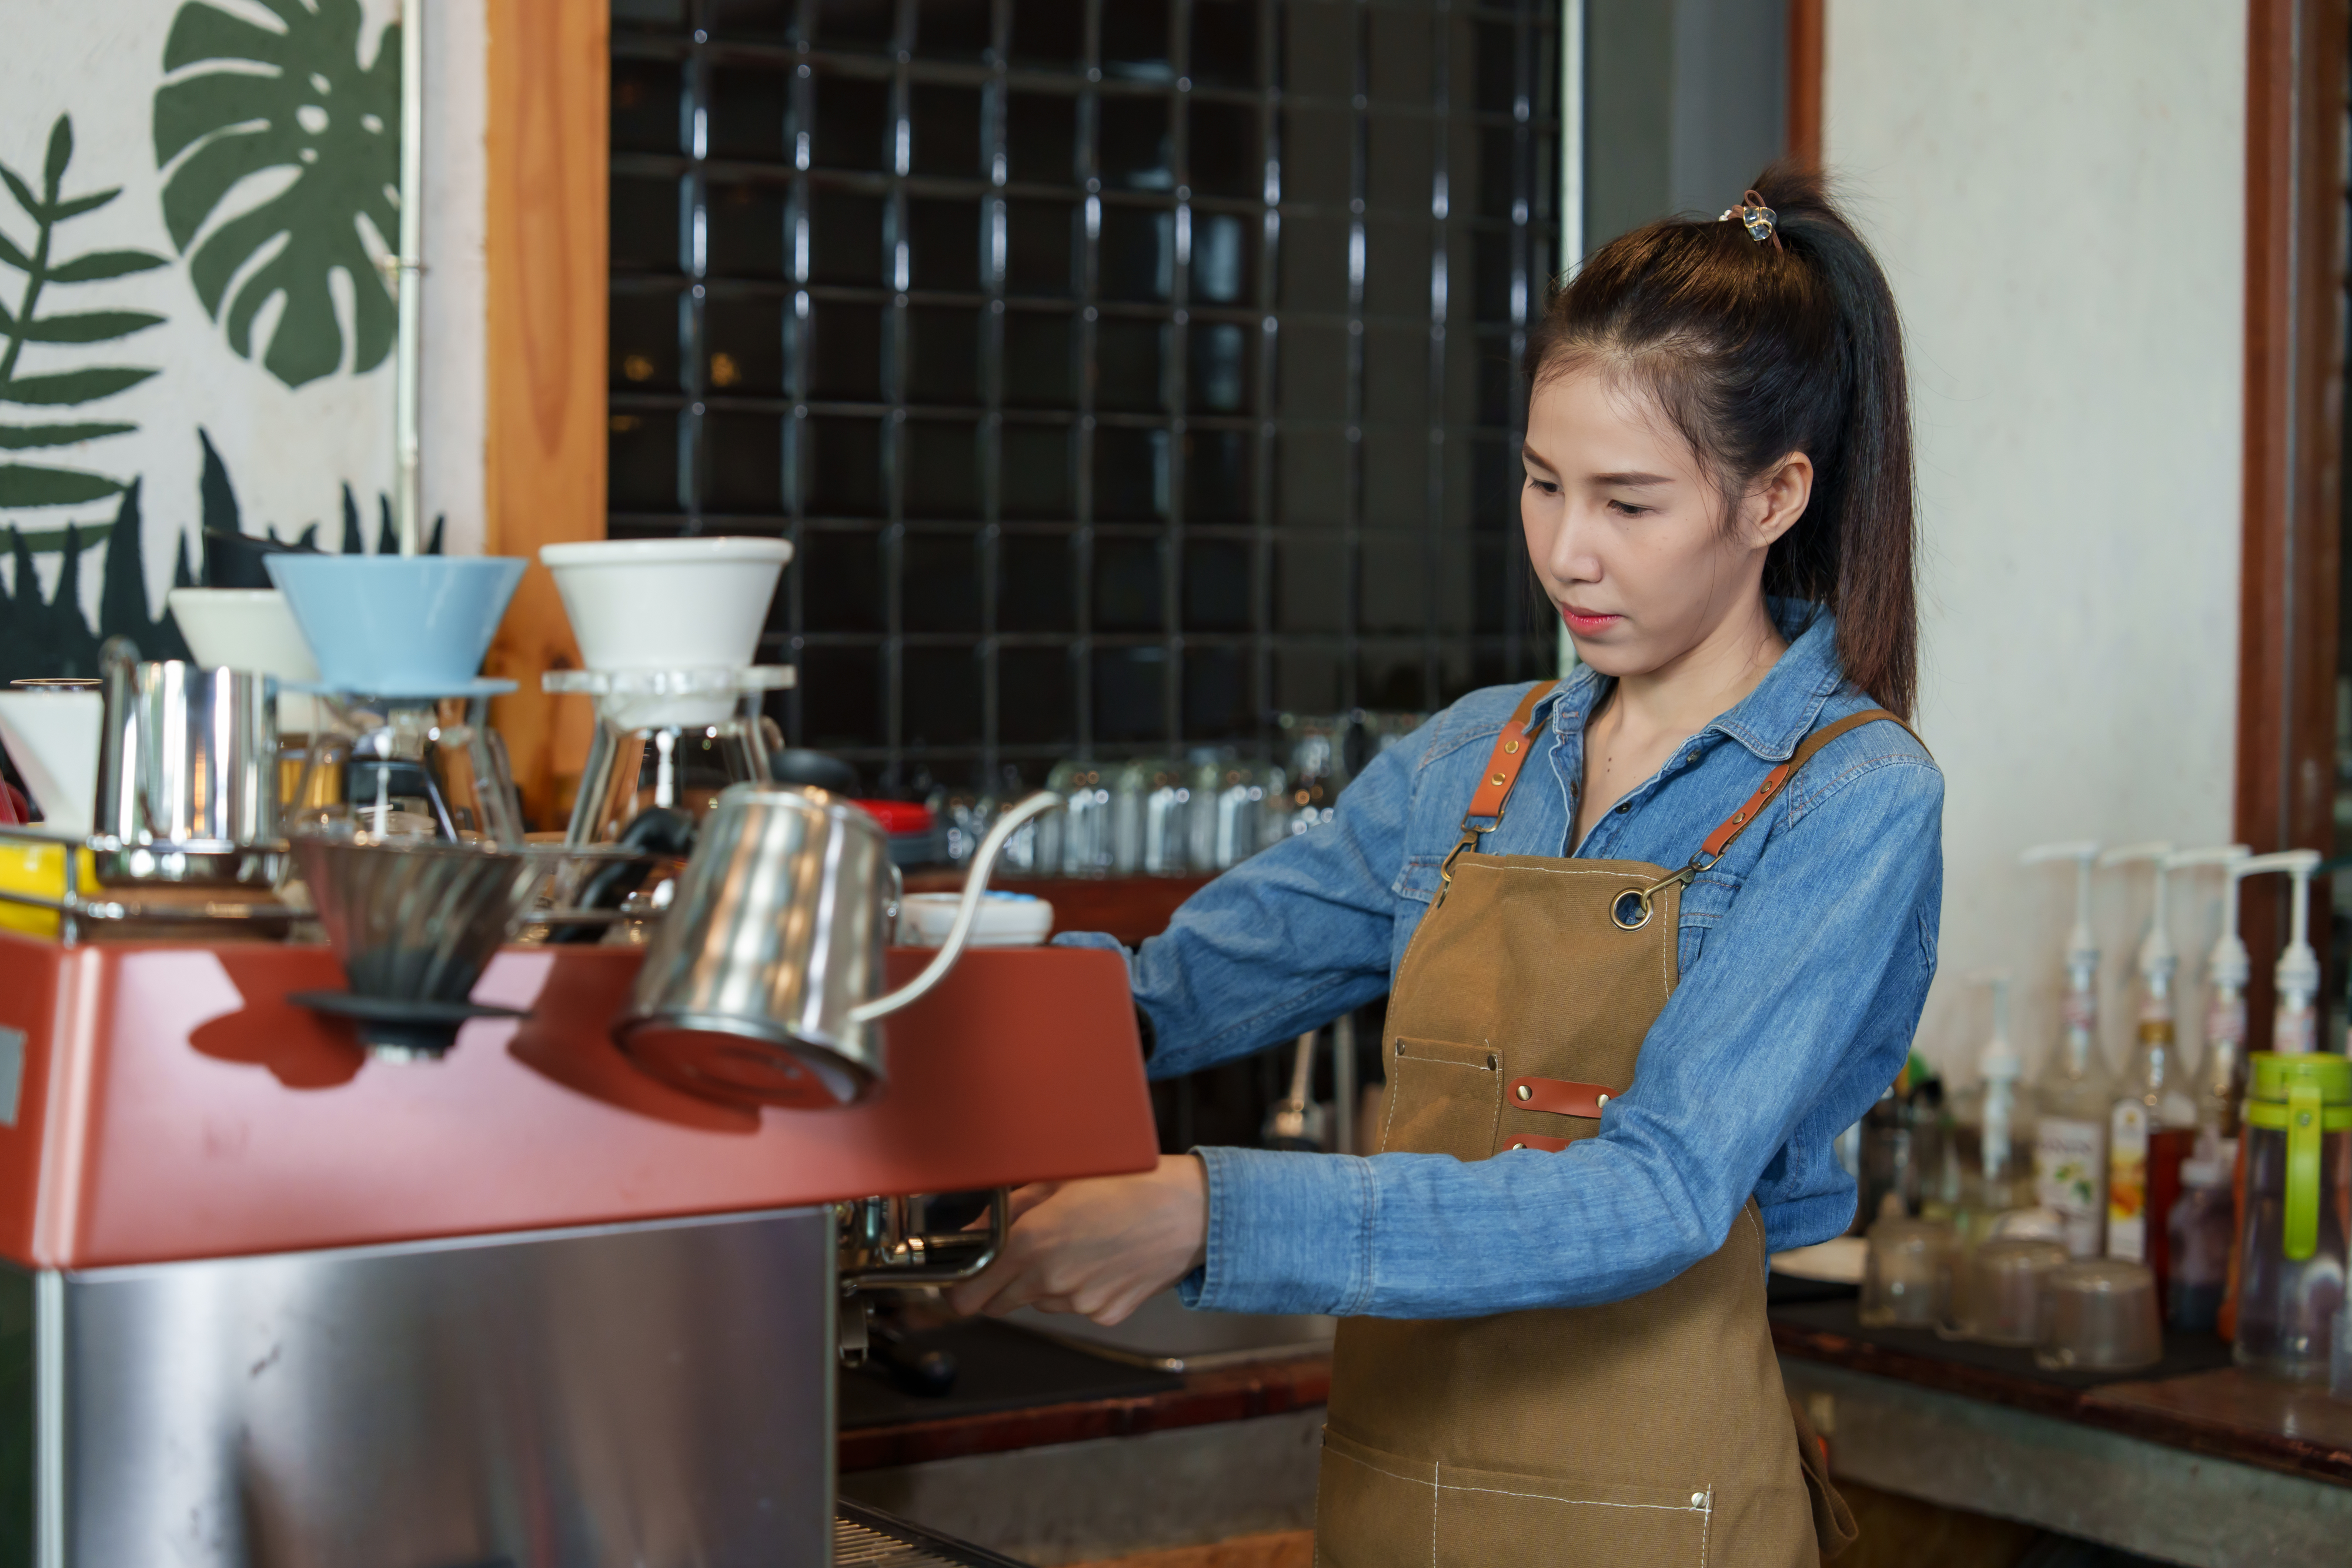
(2226, 1412)
(1235, 1393)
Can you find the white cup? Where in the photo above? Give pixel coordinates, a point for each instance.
(52, 737)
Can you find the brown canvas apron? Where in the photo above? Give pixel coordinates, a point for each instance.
(1647, 1431)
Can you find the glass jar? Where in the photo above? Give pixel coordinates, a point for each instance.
(2291, 1257)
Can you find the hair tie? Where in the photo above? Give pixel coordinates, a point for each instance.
(1758, 220)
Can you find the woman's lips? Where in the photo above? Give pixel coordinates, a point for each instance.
(1586, 625)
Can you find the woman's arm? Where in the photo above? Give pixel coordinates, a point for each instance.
(1808, 991)
(1285, 941)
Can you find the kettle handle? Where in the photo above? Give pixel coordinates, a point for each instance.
(983, 860)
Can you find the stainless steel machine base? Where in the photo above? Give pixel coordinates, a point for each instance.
(637, 1397)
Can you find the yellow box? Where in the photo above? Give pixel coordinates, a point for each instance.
(39, 870)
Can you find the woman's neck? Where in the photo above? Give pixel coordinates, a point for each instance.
(1679, 697)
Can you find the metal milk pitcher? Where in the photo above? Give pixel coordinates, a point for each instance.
(763, 982)
(188, 774)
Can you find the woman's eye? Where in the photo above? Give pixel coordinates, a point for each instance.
(1628, 510)
(1548, 486)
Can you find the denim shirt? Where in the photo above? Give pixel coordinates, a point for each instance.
(1805, 953)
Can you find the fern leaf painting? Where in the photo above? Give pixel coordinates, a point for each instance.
(246, 99)
(42, 268)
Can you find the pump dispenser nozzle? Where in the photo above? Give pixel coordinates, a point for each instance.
(2157, 958)
(1999, 1057)
(2295, 1028)
(2227, 970)
(2227, 964)
(2082, 944)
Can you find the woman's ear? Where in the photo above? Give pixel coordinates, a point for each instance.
(1778, 499)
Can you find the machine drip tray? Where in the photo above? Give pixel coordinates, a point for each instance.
(865, 1537)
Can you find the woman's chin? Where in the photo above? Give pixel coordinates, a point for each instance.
(1612, 657)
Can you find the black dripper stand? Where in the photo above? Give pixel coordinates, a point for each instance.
(415, 922)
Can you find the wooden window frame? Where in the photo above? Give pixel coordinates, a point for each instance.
(2290, 582)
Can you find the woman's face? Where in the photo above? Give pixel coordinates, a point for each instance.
(1626, 530)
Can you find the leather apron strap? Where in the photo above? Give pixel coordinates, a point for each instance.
(1631, 909)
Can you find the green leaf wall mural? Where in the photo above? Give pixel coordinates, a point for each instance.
(299, 98)
(42, 269)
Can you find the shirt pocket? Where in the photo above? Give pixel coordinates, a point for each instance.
(1442, 1099)
(1705, 902)
(1419, 879)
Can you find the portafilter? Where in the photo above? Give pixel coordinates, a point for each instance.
(763, 983)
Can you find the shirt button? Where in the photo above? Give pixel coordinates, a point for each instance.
(1623, 807)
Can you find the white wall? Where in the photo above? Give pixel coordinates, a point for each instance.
(289, 450)
(2056, 188)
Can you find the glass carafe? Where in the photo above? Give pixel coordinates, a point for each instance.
(2298, 1114)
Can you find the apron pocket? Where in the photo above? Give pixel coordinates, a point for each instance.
(1442, 1099)
(1379, 1510)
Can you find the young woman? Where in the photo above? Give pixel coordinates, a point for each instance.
(1654, 935)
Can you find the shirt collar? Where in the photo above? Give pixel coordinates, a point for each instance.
(1769, 721)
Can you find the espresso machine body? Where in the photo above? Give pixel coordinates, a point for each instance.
(640, 1394)
(265, 1299)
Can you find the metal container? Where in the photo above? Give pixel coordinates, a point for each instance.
(763, 983)
(188, 774)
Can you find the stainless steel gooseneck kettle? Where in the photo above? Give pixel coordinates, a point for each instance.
(763, 983)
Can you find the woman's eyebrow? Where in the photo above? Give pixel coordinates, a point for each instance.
(1632, 481)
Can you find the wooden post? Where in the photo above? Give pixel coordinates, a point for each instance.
(1805, 25)
(550, 74)
(2287, 653)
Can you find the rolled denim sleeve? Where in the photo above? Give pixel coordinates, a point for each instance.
(1808, 991)
(1285, 941)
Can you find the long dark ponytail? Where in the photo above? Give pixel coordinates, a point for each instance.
(1754, 350)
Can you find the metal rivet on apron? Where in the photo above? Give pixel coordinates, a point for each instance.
(1699, 1499)
(1601, 1101)
(1399, 1047)
(1525, 1092)
(1517, 1144)
(1510, 748)
(1491, 1063)
(1498, 779)
(1737, 818)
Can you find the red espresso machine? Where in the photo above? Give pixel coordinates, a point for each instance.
(268, 1300)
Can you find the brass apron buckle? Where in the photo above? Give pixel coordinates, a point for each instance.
(1629, 910)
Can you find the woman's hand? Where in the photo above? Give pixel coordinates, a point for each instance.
(1096, 1247)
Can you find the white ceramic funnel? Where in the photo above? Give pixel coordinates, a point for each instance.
(52, 737)
(250, 629)
(667, 604)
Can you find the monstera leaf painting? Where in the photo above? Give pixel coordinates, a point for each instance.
(38, 258)
(246, 99)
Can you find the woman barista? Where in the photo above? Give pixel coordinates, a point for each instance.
(1655, 934)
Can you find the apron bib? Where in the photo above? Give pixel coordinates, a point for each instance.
(1652, 1430)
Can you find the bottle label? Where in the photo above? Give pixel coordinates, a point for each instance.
(2081, 1011)
(2294, 1031)
(2067, 1178)
(2127, 1182)
(2225, 1020)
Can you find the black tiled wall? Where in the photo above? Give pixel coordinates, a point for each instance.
(1127, 372)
